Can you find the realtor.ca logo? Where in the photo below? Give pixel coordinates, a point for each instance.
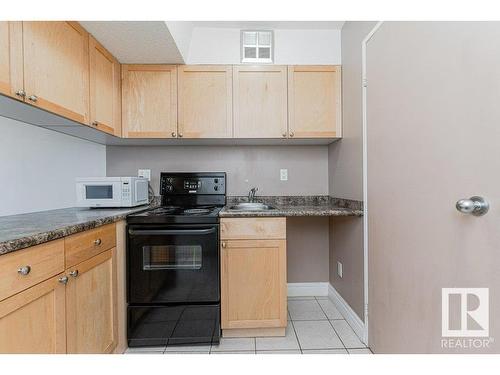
(465, 318)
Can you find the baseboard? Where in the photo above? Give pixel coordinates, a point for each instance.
(307, 289)
(348, 313)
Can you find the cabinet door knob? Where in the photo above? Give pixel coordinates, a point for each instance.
(74, 273)
(97, 242)
(33, 98)
(223, 244)
(24, 270)
(20, 93)
(173, 134)
(292, 134)
(283, 135)
(63, 280)
(180, 135)
(95, 123)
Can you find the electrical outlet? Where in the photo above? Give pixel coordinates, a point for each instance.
(145, 173)
(284, 174)
(340, 269)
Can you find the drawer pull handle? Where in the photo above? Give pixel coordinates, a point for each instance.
(63, 280)
(74, 273)
(97, 242)
(24, 270)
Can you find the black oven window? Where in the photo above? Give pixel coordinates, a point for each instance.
(99, 191)
(171, 257)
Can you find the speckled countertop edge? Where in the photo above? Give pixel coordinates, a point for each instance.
(78, 223)
(289, 206)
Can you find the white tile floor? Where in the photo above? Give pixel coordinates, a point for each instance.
(315, 326)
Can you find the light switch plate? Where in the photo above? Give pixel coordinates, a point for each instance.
(284, 174)
(145, 173)
(340, 270)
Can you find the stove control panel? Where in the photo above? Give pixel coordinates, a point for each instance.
(193, 184)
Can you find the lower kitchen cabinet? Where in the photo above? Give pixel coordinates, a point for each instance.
(91, 310)
(33, 321)
(46, 311)
(253, 278)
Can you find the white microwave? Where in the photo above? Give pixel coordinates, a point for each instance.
(111, 191)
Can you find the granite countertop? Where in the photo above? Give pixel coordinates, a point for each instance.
(24, 230)
(322, 205)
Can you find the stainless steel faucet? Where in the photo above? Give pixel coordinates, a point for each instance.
(251, 194)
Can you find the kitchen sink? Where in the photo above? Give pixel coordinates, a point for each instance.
(251, 207)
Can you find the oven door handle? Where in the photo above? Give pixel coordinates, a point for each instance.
(162, 232)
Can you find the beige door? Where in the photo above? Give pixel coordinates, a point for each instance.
(314, 108)
(56, 68)
(205, 101)
(105, 89)
(149, 101)
(253, 284)
(433, 138)
(260, 101)
(91, 305)
(34, 320)
(11, 59)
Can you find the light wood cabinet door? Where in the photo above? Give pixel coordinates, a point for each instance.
(11, 59)
(253, 284)
(91, 305)
(205, 101)
(105, 89)
(33, 321)
(149, 101)
(260, 101)
(314, 101)
(56, 68)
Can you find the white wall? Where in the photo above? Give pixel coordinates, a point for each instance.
(39, 166)
(222, 46)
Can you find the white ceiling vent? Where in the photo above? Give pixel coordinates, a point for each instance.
(257, 46)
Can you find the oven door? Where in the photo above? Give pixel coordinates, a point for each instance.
(173, 264)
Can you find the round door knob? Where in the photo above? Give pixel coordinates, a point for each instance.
(476, 206)
(283, 135)
(180, 135)
(224, 244)
(95, 123)
(97, 242)
(173, 134)
(20, 93)
(24, 270)
(74, 273)
(292, 134)
(33, 98)
(63, 280)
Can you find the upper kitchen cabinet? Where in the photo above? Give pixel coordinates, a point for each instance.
(149, 101)
(56, 68)
(105, 89)
(314, 106)
(260, 101)
(11, 59)
(205, 101)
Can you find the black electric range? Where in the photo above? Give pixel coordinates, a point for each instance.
(173, 263)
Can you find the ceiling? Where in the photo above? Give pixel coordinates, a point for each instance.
(132, 42)
(300, 25)
(167, 42)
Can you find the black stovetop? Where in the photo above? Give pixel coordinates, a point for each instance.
(176, 215)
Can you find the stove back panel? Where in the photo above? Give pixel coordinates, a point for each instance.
(193, 189)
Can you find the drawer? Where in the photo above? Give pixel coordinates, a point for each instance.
(272, 228)
(39, 262)
(82, 246)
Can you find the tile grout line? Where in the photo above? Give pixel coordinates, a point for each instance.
(296, 336)
(334, 330)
